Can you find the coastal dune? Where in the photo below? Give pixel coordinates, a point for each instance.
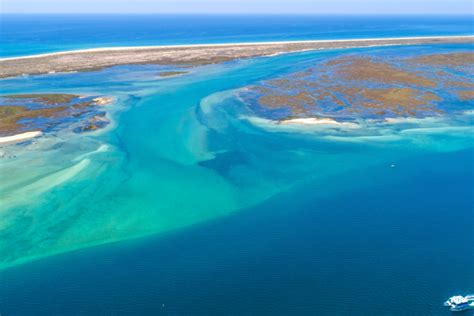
(94, 59)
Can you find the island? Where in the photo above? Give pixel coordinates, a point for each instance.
(171, 73)
(25, 116)
(362, 86)
(94, 59)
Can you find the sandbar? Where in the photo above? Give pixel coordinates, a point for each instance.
(311, 121)
(19, 137)
(94, 59)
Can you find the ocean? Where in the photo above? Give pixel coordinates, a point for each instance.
(34, 34)
(186, 205)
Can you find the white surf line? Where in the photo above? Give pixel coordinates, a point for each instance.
(125, 48)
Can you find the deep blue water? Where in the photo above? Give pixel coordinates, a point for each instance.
(365, 249)
(32, 34)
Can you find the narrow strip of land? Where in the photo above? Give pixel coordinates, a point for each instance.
(93, 59)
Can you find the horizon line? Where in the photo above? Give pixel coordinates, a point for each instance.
(246, 13)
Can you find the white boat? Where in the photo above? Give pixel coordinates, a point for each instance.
(460, 303)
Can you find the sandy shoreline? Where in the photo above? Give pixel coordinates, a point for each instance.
(197, 54)
(314, 121)
(6, 140)
(311, 121)
(122, 48)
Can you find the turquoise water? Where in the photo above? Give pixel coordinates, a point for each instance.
(378, 242)
(189, 204)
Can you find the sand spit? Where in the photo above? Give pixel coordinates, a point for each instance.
(103, 100)
(311, 121)
(19, 137)
(322, 122)
(93, 59)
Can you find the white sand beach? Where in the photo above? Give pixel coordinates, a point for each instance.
(19, 137)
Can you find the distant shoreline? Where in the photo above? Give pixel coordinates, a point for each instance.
(125, 48)
(194, 54)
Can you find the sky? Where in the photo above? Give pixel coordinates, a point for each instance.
(241, 6)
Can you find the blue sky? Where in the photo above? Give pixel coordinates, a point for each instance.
(240, 6)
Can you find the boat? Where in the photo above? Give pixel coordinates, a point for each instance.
(460, 303)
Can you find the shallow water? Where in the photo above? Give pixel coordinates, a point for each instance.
(235, 214)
